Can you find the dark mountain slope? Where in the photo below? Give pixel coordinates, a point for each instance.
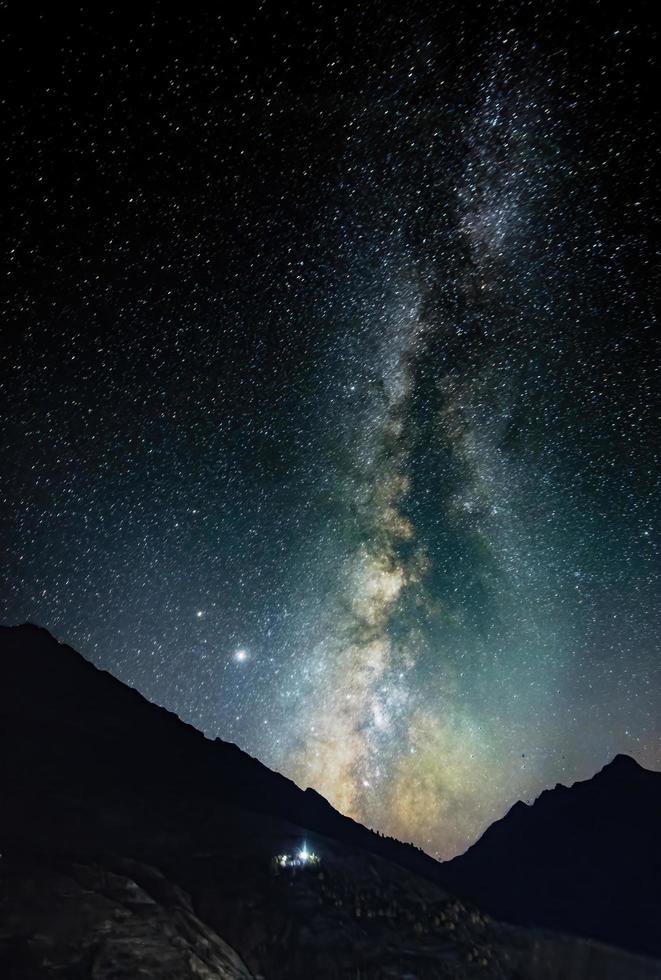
(584, 859)
(111, 740)
(131, 845)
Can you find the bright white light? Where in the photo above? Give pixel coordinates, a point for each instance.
(303, 855)
(200, 613)
(241, 656)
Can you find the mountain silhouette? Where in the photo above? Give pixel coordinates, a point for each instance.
(90, 733)
(131, 845)
(584, 859)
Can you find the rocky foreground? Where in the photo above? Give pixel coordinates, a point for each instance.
(133, 847)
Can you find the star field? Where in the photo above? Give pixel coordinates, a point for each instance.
(330, 385)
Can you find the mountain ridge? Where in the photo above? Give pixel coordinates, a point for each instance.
(319, 813)
(105, 792)
(585, 858)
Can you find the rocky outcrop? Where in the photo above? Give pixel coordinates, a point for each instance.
(67, 919)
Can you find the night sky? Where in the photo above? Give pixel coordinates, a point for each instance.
(329, 384)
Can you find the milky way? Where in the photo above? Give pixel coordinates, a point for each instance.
(331, 393)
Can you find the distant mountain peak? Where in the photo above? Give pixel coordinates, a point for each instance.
(566, 861)
(621, 765)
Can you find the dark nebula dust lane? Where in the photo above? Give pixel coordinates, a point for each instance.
(330, 388)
